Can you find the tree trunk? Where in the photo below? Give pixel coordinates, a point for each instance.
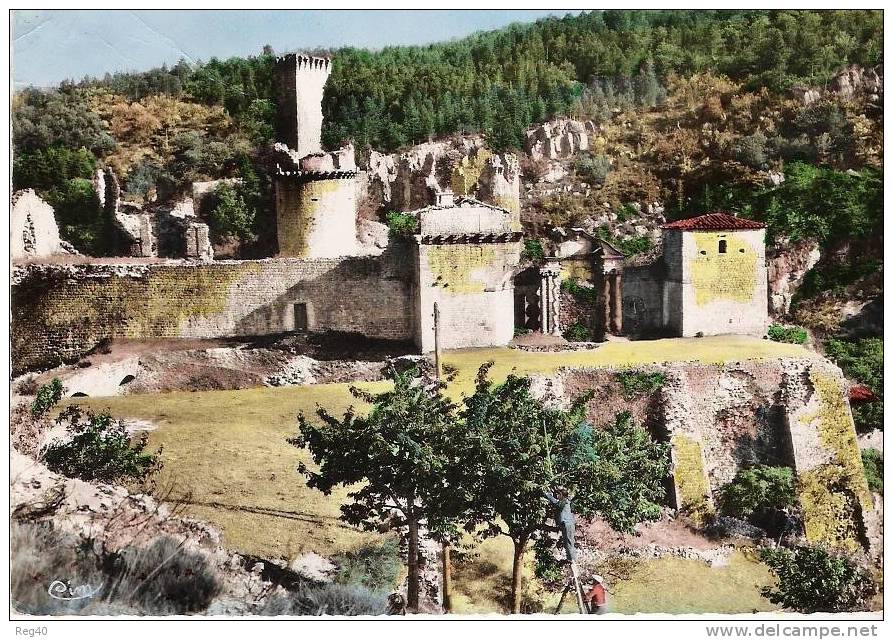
(447, 579)
(517, 568)
(412, 589)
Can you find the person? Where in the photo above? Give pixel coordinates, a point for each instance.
(564, 519)
(596, 596)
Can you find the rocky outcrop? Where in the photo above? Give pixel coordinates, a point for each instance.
(33, 228)
(788, 264)
(558, 139)
(849, 82)
(408, 180)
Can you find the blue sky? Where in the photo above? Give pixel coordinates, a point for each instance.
(53, 45)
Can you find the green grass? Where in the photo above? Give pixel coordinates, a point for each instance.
(226, 451)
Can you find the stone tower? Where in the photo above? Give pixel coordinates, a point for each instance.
(300, 81)
(316, 192)
(716, 280)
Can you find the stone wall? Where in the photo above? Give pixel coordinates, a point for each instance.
(61, 312)
(643, 311)
(33, 229)
(721, 418)
(472, 285)
(300, 81)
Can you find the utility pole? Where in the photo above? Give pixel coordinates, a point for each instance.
(447, 568)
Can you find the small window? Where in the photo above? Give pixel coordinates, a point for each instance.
(722, 246)
(300, 316)
(740, 250)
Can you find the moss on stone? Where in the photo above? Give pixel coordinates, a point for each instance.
(692, 488)
(830, 514)
(453, 266)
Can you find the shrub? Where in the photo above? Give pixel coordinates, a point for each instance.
(873, 461)
(584, 295)
(374, 566)
(593, 168)
(47, 397)
(99, 448)
(637, 383)
(533, 250)
(577, 332)
(400, 224)
(163, 579)
(326, 600)
(792, 334)
(751, 150)
(812, 579)
(230, 215)
(758, 490)
(862, 359)
(634, 246)
(626, 213)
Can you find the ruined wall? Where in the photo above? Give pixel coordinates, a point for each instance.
(721, 418)
(316, 218)
(33, 229)
(472, 284)
(61, 312)
(720, 292)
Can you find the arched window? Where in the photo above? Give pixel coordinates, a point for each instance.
(722, 246)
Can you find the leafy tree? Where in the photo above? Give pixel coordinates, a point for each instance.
(594, 168)
(58, 117)
(401, 224)
(98, 447)
(46, 169)
(400, 453)
(812, 579)
(229, 215)
(525, 447)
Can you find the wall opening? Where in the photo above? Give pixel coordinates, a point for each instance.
(300, 312)
(527, 300)
(722, 246)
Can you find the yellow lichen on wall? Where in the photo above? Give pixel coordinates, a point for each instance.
(830, 514)
(510, 204)
(692, 488)
(466, 174)
(151, 306)
(453, 267)
(827, 492)
(297, 218)
(723, 276)
(576, 270)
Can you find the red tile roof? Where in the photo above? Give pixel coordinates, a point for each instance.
(718, 221)
(861, 393)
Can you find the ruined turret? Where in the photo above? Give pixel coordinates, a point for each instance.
(300, 81)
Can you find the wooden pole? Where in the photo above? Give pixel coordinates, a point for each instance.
(444, 547)
(437, 368)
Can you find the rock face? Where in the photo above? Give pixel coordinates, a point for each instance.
(787, 266)
(849, 81)
(35, 233)
(558, 139)
(408, 180)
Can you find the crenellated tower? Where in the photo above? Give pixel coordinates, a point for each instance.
(316, 192)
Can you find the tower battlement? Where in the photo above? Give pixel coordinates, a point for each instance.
(300, 81)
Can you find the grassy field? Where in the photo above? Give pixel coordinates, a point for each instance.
(226, 450)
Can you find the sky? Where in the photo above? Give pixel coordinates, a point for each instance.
(53, 45)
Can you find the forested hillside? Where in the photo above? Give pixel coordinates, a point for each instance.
(694, 109)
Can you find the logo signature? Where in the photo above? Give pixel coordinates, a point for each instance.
(64, 591)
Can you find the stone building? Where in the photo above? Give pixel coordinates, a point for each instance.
(709, 279)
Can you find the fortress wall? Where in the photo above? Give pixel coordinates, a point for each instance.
(60, 312)
(316, 218)
(722, 418)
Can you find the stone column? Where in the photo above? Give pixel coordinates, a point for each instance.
(606, 301)
(617, 303)
(550, 294)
